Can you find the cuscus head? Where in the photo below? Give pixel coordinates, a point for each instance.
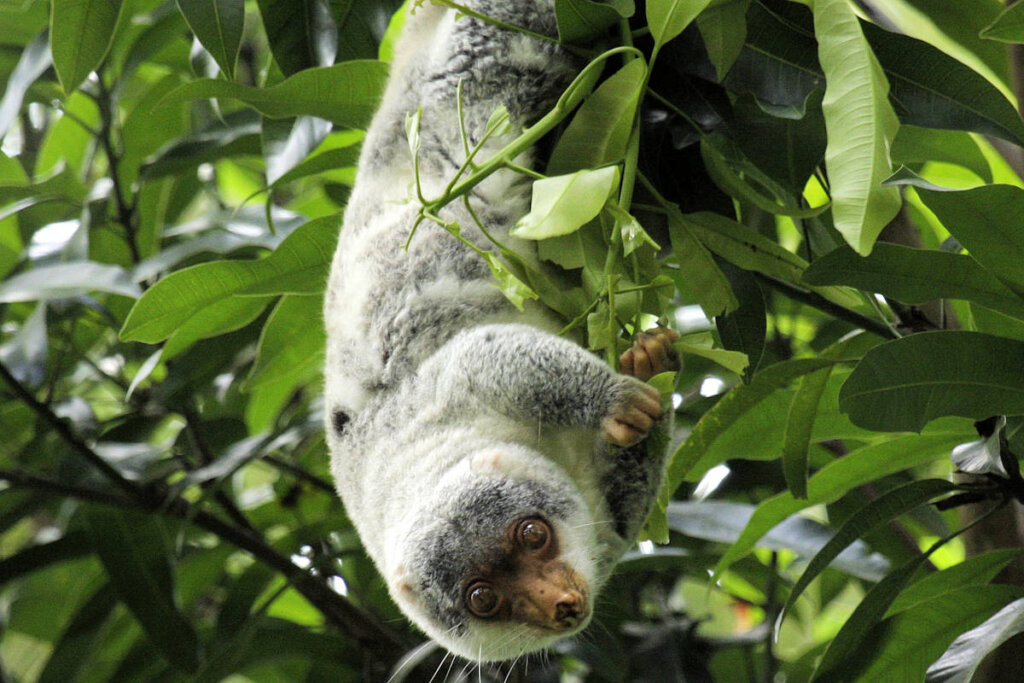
(499, 565)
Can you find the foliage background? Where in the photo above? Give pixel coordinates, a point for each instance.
(171, 184)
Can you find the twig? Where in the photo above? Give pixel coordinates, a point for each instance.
(299, 473)
(821, 303)
(64, 432)
(125, 213)
(349, 619)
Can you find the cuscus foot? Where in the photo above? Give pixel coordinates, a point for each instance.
(652, 353)
(633, 415)
(639, 410)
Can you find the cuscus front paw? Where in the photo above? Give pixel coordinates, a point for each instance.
(633, 415)
(652, 353)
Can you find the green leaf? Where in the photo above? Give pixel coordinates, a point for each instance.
(237, 134)
(329, 160)
(861, 126)
(843, 656)
(668, 18)
(835, 479)
(65, 280)
(514, 289)
(903, 384)
(362, 25)
(797, 145)
(985, 220)
(299, 265)
(914, 276)
(734, 361)
(723, 521)
(738, 186)
(134, 551)
(632, 233)
(915, 145)
(35, 59)
(80, 35)
(345, 93)
(282, 353)
(724, 30)
(564, 204)
(745, 247)
(1008, 26)
(287, 143)
(220, 317)
(698, 275)
(796, 443)
(879, 511)
(582, 21)
(965, 655)
(600, 130)
(931, 88)
(979, 569)
(218, 25)
(301, 33)
(730, 408)
(920, 635)
(79, 639)
(744, 330)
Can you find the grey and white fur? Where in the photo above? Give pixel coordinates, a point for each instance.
(450, 414)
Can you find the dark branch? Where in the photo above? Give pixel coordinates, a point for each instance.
(822, 304)
(64, 432)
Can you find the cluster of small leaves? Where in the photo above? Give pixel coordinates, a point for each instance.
(171, 185)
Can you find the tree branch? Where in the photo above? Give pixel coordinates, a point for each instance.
(348, 618)
(64, 432)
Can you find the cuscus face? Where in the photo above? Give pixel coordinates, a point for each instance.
(502, 568)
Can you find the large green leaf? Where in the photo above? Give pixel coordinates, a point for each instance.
(80, 35)
(914, 638)
(600, 130)
(362, 26)
(914, 276)
(298, 266)
(903, 384)
(965, 655)
(730, 408)
(979, 569)
(724, 30)
(858, 467)
(698, 275)
(668, 18)
(861, 126)
(236, 134)
(301, 33)
(345, 93)
(563, 204)
(134, 549)
(281, 352)
(581, 21)
(883, 509)
(218, 25)
(932, 89)
(1008, 26)
(915, 145)
(225, 315)
(986, 221)
(744, 246)
(79, 639)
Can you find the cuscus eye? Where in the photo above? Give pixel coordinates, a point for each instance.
(482, 600)
(533, 534)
